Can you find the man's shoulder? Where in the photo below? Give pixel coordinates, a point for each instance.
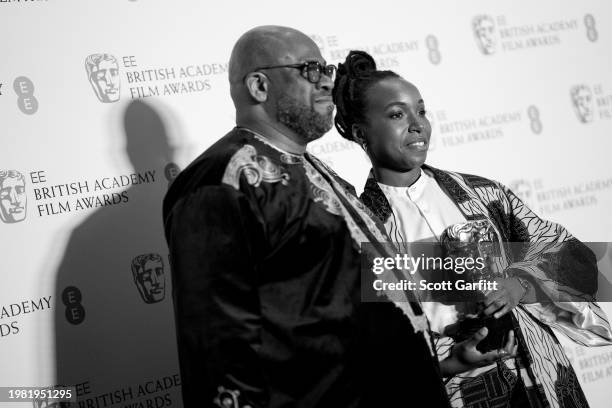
(345, 184)
(209, 167)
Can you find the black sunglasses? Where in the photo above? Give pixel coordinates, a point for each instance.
(311, 70)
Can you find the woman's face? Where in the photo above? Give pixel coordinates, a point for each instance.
(397, 132)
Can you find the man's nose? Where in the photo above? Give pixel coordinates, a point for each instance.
(107, 77)
(13, 196)
(325, 83)
(154, 279)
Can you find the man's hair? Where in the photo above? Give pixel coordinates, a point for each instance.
(4, 174)
(93, 60)
(354, 78)
(476, 21)
(139, 262)
(575, 90)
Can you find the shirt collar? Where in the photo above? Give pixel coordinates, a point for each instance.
(268, 142)
(415, 191)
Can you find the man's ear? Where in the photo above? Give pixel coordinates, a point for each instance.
(359, 135)
(257, 85)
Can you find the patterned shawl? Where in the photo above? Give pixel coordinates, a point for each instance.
(556, 263)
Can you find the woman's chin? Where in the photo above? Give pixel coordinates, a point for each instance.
(415, 161)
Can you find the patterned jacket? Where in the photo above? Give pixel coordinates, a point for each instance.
(564, 272)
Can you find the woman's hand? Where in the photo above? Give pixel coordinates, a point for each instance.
(464, 355)
(508, 294)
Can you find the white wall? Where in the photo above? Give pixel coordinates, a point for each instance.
(61, 133)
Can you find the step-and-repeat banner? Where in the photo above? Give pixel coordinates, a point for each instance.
(103, 102)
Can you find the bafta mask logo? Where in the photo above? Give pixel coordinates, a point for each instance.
(148, 272)
(103, 74)
(582, 100)
(523, 190)
(569, 352)
(435, 128)
(13, 199)
(319, 41)
(484, 31)
(46, 403)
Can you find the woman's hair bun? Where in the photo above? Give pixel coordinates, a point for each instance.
(358, 64)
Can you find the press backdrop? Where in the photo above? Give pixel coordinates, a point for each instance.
(102, 102)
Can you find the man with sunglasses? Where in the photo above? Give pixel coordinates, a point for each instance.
(265, 251)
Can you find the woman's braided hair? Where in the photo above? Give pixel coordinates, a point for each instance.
(355, 76)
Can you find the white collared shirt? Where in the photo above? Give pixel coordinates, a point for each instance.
(421, 213)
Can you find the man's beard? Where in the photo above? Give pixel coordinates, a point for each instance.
(302, 119)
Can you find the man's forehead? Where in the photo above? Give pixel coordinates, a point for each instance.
(301, 51)
(11, 181)
(270, 45)
(105, 63)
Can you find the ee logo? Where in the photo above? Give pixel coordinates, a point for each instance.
(24, 88)
(589, 23)
(75, 312)
(434, 53)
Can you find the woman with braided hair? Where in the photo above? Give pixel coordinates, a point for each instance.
(385, 114)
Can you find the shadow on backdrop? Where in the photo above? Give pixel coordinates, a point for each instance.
(114, 323)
